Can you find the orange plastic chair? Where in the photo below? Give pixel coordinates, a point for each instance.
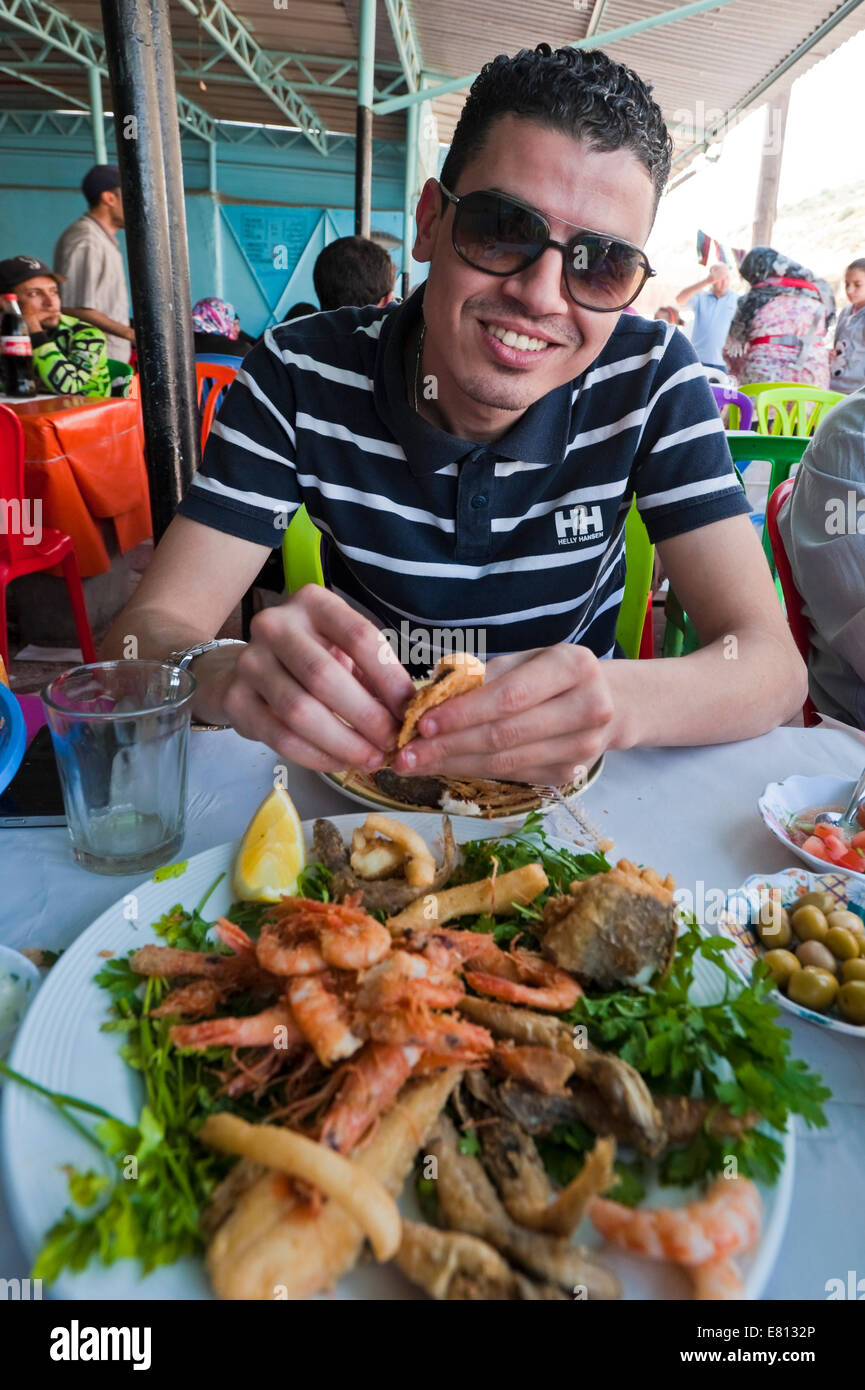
(17, 556)
(213, 380)
(799, 625)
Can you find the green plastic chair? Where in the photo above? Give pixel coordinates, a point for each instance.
(301, 562)
(640, 562)
(782, 451)
(792, 415)
(680, 635)
(301, 552)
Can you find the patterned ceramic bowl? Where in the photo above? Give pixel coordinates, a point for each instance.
(782, 802)
(742, 906)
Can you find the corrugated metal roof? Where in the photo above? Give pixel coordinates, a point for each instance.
(701, 67)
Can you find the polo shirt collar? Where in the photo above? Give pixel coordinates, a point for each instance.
(539, 436)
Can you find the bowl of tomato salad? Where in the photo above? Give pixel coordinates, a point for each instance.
(790, 809)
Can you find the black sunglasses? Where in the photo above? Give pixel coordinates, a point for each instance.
(502, 236)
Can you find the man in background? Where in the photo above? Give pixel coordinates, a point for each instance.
(69, 356)
(89, 258)
(353, 271)
(714, 308)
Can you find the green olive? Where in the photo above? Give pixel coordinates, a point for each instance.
(782, 964)
(824, 901)
(850, 921)
(815, 953)
(812, 987)
(809, 923)
(851, 1001)
(853, 970)
(842, 943)
(773, 925)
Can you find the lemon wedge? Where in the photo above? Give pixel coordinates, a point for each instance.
(271, 852)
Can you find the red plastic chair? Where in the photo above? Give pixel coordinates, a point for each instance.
(213, 380)
(17, 556)
(799, 625)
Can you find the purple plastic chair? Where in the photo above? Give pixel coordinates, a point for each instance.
(727, 395)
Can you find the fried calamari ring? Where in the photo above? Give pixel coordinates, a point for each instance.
(420, 868)
(358, 1193)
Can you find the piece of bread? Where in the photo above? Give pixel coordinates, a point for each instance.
(454, 675)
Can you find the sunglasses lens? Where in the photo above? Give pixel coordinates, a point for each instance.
(497, 236)
(603, 274)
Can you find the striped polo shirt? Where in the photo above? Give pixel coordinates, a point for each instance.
(520, 541)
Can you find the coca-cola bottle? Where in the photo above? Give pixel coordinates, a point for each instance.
(16, 351)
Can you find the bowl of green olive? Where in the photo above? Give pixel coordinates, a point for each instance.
(809, 931)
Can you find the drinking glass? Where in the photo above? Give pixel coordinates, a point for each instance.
(120, 731)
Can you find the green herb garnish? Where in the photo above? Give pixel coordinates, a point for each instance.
(732, 1051)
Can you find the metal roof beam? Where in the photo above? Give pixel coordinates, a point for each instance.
(23, 75)
(85, 46)
(626, 31)
(769, 80)
(402, 28)
(233, 37)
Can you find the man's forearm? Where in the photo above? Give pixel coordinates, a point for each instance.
(151, 636)
(117, 330)
(684, 295)
(738, 687)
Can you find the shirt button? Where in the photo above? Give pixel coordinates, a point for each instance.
(479, 500)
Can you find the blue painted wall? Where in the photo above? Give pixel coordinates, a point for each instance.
(261, 189)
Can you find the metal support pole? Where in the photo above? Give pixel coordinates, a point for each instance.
(213, 183)
(365, 94)
(97, 117)
(411, 139)
(137, 43)
(766, 202)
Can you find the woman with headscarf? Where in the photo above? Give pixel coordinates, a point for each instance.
(780, 329)
(216, 329)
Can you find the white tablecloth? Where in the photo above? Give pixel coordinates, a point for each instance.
(689, 812)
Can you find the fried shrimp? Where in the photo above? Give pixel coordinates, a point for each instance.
(518, 976)
(322, 1018)
(727, 1219)
(305, 937)
(258, 1030)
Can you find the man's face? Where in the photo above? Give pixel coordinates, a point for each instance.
(854, 286)
(39, 299)
(720, 280)
(114, 203)
(570, 184)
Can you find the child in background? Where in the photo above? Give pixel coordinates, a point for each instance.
(847, 367)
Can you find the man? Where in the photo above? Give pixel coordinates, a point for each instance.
(822, 525)
(89, 257)
(714, 308)
(68, 356)
(353, 271)
(470, 456)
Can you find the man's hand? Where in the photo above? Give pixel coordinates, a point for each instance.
(541, 716)
(32, 318)
(318, 683)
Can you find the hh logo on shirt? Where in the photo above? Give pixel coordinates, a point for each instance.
(579, 523)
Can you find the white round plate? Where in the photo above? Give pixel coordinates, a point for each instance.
(60, 1046)
(360, 788)
(27, 980)
(781, 802)
(735, 922)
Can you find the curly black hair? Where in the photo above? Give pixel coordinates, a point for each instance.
(582, 92)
